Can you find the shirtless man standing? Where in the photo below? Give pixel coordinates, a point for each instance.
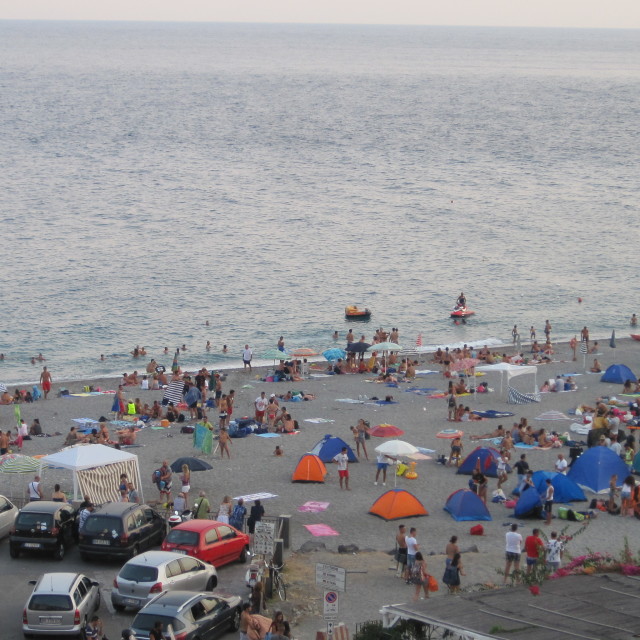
(401, 552)
(45, 381)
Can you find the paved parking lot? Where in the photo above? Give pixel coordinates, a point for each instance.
(16, 588)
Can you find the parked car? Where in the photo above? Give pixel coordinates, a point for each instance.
(150, 573)
(8, 513)
(121, 529)
(60, 604)
(209, 540)
(191, 615)
(43, 526)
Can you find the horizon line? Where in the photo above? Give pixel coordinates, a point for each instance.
(318, 24)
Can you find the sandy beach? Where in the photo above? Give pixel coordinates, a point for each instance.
(254, 468)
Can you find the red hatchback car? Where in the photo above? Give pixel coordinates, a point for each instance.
(208, 540)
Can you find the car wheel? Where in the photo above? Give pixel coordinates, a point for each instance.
(98, 600)
(135, 551)
(235, 620)
(58, 554)
(243, 555)
(14, 552)
(212, 583)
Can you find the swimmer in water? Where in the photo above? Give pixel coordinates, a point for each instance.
(102, 358)
(40, 357)
(335, 335)
(166, 350)
(208, 346)
(224, 348)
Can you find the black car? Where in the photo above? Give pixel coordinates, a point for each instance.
(121, 529)
(192, 616)
(43, 526)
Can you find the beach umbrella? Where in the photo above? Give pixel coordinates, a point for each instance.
(275, 354)
(305, 352)
(612, 343)
(358, 347)
(3, 388)
(465, 364)
(194, 464)
(396, 448)
(583, 351)
(17, 463)
(386, 431)
(334, 354)
(419, 340)
(173, 393)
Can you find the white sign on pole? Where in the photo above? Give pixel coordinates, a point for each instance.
(331, 605)
(330, 577)
(263, 536)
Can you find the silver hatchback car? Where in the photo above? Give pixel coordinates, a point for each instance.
(60, 605)
(145, 576)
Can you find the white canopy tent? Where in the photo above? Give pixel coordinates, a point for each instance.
(511, 371)
(96, 470)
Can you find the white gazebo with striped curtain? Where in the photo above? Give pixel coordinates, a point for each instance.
(96, 470)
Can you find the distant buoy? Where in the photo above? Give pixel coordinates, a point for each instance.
(579, 299)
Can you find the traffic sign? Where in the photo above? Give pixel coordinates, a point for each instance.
(330, 629)
(331, 605)
(329, 576)
(263, 536)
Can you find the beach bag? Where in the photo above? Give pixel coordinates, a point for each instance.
(187, 429)
(433, 584)
(477, 530)
(563, 513)
(155, 476)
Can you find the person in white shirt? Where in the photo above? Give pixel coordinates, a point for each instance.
(383, 462)
(261, 404)
(513, 550)
(501, 465)
(343, 468)
(412, 547)
(35, 490)
(561, 464)
(615, 446)
(145, 383)
(247, 355)
(548, 500)
(555, 549)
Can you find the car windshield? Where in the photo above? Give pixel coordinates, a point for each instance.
(28, 520)
(98, 523)
(138, 573)
(50, 602)
(145, 622)
(177, 536)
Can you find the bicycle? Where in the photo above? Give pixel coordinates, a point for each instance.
(277, 581)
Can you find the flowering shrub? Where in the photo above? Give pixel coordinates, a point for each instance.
(601, 563)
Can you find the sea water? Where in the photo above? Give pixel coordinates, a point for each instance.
(261, 177)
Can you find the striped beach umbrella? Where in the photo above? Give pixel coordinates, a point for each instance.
(3, 387)
(173, 393)
(17, 463)
(305, 352)
(419, 340)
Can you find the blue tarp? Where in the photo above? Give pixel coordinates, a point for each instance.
(330, 446)
(488, 457)
(465, 505)
(619, 373)
(594, 468)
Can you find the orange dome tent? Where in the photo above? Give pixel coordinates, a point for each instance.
(309, 469)
(397, 503)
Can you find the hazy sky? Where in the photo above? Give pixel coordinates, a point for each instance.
(544, 13)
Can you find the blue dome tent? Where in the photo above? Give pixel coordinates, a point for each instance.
(330, 446)
(594, 468)
(488, 457)
(565, 489)
(464, 504)
(529, 504)
(618, 373)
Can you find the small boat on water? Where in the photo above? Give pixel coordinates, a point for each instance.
(353, 312)
(461, 312)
